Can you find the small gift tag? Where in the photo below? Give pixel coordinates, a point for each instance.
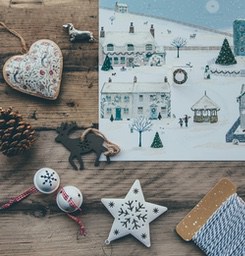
(38, 72)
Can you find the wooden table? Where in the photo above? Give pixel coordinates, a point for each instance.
(36, 226)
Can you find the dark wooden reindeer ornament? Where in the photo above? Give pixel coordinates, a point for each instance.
(91, 140)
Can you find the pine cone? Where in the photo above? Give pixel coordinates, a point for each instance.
(16, 136)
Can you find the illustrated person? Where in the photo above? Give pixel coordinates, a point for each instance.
(181, 122)
(207, 72)
(186, 119)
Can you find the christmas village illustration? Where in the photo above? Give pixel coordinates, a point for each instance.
(170, 90)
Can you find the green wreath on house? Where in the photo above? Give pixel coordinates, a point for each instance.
(178, 71)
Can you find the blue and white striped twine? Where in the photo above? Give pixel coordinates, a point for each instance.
(224, 232)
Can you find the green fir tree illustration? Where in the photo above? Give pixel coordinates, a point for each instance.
(107, 64)
(226, 57)
(157, 143)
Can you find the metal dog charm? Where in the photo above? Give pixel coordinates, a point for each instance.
(78, 35)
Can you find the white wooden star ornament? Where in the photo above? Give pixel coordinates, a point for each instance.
(132, 215)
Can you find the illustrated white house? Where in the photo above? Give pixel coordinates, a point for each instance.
(130, 48)
(121, 7)
(126, 100)
(241, 101)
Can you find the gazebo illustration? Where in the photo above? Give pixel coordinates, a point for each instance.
(205, 110)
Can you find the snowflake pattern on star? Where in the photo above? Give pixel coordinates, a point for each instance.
(111, 204)
(132, 215)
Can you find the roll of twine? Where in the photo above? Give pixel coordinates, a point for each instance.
(224, 232)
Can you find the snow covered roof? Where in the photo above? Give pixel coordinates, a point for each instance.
(205, 103)
(124, 38)
(138, 87)
(121, 4)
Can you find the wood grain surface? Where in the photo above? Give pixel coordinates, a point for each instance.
(36, 227)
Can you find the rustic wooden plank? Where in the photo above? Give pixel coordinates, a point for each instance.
(77, 102)
(80, 76)
(177, 185)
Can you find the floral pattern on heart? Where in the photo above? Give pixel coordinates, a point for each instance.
(37, 72)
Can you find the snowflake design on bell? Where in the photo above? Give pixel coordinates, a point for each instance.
(48, 178)
(132, 215)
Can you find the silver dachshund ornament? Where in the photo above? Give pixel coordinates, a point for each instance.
(78, 35)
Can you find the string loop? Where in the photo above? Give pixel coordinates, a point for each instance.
(112, 148)
(23, 43)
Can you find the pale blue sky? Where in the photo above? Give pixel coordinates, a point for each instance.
(217, 14)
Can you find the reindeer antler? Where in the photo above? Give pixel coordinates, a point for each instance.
(65, 127)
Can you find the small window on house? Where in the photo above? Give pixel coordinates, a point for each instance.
(118, 98)
(152, 97)
(108, 98)
(110, 47)
(126, 111)
(141, 97)
(122, 60)
(130, 47)
(108, 110)
(126, 98)
(140, 110)
(162, 96)
(116, 60)
(163, 110)
(148, 47)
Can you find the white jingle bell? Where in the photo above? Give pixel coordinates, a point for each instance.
(46, 180)
(69, 199)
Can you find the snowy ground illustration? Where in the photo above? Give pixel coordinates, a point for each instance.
(197, 141)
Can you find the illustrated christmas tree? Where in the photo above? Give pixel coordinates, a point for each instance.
(107, 64)
(226, 57)
(157, 143)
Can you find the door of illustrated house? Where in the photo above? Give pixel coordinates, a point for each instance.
(130, 62)
(118, 114)
(153, 112)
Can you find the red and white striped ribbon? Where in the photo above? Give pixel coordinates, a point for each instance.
(20, 197)
(74, 218)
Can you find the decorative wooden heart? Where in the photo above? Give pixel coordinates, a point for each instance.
(38, 72)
